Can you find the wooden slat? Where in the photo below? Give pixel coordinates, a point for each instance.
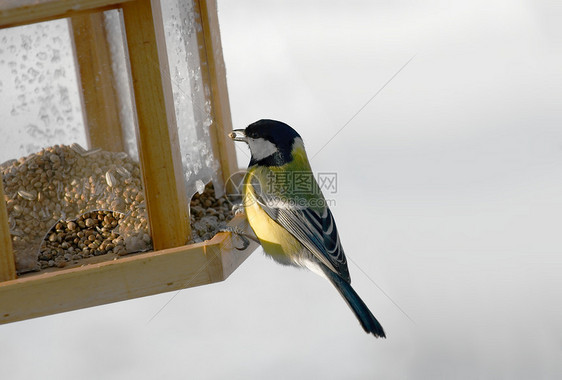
(214, 74)
(99, 98)
(37, 295)
(7, 265)
(21, 12)
(159, 151)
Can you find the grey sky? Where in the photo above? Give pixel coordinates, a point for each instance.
(449, 198)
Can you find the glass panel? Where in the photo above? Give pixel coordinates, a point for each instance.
(39, 100)
(65, 203)
(193, 111)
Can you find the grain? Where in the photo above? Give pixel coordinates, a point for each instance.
(62, 183)
(66, 203)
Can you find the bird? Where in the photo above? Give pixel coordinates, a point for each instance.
(291, 217)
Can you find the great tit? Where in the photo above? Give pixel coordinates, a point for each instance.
(288, 212)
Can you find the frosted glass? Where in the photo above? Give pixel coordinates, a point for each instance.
(193, 112)
(39, 101)
(54, 182)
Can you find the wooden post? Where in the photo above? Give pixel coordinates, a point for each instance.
(99, 98)
(213, 72)
(7, 264)
(159, 151)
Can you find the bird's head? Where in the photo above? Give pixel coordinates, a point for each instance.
(271, 142)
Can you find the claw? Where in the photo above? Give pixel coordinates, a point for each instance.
(238, 209)
(241, 234)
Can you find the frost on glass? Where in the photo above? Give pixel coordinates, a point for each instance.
(39, 102)
(193, 112)
(64, 202)
(121, 73)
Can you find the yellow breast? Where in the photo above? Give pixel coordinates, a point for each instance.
(275, 240)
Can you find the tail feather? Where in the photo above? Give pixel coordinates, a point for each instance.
(356, 304)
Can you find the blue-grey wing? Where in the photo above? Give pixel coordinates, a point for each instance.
(316, 231)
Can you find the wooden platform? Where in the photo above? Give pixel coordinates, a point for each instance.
(39, 294)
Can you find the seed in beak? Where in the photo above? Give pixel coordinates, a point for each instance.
(238, 135)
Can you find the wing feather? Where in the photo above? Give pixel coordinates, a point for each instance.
(316, 231)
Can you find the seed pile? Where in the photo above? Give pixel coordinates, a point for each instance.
(65, 204)
(208, 214)
(92, 234)
(62, 183)
(96, 233)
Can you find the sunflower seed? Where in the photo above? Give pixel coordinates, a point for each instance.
(123, 172)
(90, 152)
(110, 179)
(27, 195)
(78, 148)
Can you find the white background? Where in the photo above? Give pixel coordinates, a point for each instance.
(449, 198)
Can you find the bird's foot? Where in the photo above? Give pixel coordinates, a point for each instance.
(241, 234)
(238, 209)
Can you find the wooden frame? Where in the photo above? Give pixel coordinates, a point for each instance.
(99, 101)
(7, 264)
(22, 12)
(159, 152)
(129, 277)
(173, 265)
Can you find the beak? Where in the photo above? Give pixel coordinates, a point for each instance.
(238, 135)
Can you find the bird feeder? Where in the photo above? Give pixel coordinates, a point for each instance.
(112, 212)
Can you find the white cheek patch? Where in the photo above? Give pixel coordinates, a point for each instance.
(261, 148)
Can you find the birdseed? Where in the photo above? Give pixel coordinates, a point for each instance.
(66, 204)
